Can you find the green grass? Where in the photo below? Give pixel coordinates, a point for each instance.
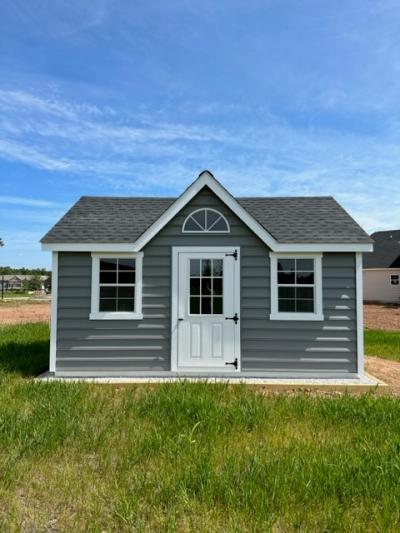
(188, 456)
(384, 344)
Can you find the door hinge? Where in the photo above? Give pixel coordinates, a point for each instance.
(235, 318)
(233, 254)
(233, 363)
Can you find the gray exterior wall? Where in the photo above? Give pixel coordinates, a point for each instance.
(272, 347)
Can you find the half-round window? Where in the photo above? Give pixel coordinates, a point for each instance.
(205, 221)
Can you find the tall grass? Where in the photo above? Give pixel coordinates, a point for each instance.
(192, 457)
(384, 344)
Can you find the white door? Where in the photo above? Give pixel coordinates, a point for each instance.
(208, 308)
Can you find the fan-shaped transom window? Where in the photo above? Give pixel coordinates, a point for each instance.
(206, 221)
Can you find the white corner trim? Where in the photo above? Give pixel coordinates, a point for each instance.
(54, 305)
(95, 314)
(360, 315)
(318, 303)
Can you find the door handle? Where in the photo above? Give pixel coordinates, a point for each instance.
(235, 318)
(180, 319)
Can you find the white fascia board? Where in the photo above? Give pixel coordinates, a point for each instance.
(345, 247)
(205, 179)
(88, 247)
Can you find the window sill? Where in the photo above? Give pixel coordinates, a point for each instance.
(296, 316)
(116, 316)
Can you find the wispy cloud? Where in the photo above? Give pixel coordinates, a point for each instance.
(30, 202)
(148, 154)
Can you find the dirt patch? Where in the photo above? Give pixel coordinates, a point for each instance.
(17, 312)
(387, 371)
(382, 317)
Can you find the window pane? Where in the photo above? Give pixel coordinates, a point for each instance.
(126, 264)
(126, 292)
(195, 267)
(217, 267)
(287, 306)
(126, 276)
(217, 286)
(108, 264)
(286, 292)
(195, 306)
(286, 277)
(305, 293)
(205, 306)
(194, 286)
(304, 264)
(206, 267)
(286, 264)
(200, 218)
(305, 278)
(305, 306)
(109, 304)
(108, 277)
(220, 225)
(191, 225)
(108, 292)
(217, 306)
(212, 217)
(206, 286)
(126, 304)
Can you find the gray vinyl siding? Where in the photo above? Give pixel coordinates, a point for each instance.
(271, 347)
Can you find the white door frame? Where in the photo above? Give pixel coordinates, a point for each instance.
(176, 250)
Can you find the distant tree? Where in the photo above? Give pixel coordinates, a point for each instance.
(34, 283)
(1, 242)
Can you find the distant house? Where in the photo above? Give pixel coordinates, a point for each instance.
(16, 282)
(382, 268)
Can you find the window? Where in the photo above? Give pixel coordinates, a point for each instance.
(206, 287)
(394, 279)
(205, 221)
(116, 286)
(296, 287)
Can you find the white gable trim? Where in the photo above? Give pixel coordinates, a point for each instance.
(205, 180)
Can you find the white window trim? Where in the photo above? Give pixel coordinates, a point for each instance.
(95, 314)
(318, 309)
(211, 231)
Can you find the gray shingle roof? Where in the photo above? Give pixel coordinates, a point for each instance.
(98, 219)
(386, 252)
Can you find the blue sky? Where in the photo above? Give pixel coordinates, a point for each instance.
(275, 97)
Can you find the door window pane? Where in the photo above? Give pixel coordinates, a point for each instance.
(217, 267)
(206, 286)
(217, 306)
(205, 305)
(194, 306)
(206, 267)
(194, 286)
(195, 267)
